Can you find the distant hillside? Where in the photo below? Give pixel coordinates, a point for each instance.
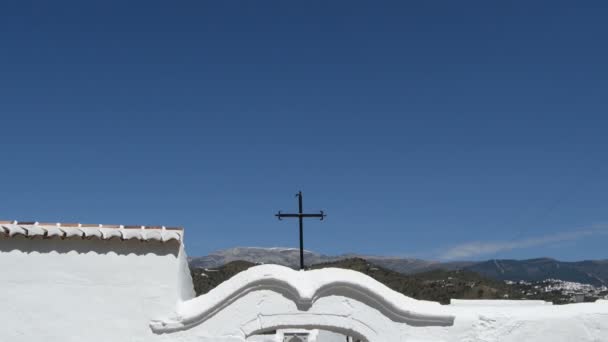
(438, 285)
(587, 272)
(593, 272)
(206, 279)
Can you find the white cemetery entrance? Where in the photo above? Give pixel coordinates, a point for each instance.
(276, 303)
(72, 282)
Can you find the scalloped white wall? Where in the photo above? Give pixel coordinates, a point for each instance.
(57, 290)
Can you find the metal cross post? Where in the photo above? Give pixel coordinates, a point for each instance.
(300, 215)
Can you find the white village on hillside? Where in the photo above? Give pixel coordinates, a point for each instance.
(77, 282)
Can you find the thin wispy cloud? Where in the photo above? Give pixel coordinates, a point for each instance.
(476, 248)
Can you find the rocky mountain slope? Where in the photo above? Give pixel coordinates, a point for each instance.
(291, 257)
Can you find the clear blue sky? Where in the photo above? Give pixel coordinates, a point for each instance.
(436, 129)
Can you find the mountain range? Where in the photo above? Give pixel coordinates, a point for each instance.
(594, 272)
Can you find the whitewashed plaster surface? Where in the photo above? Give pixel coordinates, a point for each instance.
(99, 290)
(75, 289)
(273, 297)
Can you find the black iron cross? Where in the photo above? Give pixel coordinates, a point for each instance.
(300, 215)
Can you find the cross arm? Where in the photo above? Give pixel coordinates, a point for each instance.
(320, 215)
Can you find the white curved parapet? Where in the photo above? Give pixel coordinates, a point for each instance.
(102, 232)
(304, 288)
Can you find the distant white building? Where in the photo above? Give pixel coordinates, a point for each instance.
(99, 283)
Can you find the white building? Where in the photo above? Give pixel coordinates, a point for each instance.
(70, 282)
(73, 282)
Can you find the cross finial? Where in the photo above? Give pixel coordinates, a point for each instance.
(301, 215)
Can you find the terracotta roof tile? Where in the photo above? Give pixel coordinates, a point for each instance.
(104, 232)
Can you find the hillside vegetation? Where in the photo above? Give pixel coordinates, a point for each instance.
(437, 285)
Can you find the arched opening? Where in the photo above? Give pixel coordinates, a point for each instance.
(301, 335)
(309, 328)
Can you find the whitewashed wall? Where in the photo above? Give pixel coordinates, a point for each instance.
(272, 297)
(64, 290)
(54, 290)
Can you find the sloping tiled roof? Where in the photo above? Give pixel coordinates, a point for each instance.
(86, 231)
